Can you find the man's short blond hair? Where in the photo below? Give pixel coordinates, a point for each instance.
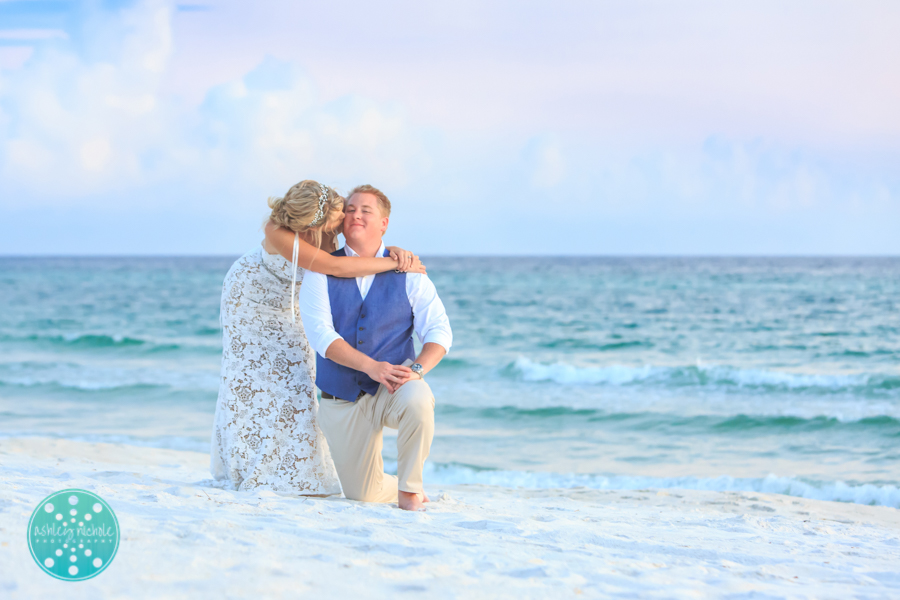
(383, 203)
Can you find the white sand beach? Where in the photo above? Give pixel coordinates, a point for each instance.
(184, 539)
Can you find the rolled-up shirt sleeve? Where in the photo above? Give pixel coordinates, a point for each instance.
(315, 310)
(429, 317)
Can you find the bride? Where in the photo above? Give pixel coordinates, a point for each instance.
(265, 433)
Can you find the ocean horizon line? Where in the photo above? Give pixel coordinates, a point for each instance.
(495, 255)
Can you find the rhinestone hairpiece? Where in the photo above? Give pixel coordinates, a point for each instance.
(320, 214)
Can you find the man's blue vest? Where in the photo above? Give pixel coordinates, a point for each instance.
(381, 326)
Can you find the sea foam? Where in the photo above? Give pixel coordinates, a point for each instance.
(456, 474)
(459, 474)
(93, 377)
(721, 376)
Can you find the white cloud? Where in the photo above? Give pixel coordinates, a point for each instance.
(73, 128)
(92, 126)
(80, 127)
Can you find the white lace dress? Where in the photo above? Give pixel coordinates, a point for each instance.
(265, 433)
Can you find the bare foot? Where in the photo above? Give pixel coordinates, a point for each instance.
(425, 497)
(410, 501)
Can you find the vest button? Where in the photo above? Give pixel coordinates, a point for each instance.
(362, 316)
(359, 342)
(362, 328)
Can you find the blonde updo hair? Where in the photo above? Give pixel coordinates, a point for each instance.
(299, 206)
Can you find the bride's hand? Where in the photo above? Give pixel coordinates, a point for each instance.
(406, 260)
(403, 257)
(417, 267)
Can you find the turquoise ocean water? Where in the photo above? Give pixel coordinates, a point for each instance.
(774, 375)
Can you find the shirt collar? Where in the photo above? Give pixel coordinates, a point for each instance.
(350, 252)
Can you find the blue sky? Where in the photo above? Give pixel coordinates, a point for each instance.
(508, 127)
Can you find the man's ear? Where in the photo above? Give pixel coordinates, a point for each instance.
(384, 224)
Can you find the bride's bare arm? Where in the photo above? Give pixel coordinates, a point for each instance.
(314, 259)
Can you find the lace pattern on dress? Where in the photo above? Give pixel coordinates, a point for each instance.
(265, 433)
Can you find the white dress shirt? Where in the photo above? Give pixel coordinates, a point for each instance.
(429, 317)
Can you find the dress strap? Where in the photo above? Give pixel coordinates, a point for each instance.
(294, 278)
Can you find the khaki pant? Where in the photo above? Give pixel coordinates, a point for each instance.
(354, 434)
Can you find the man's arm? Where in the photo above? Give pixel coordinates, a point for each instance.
(429, 316)
(315, 311)
(430, 356)
(430, 322)
(390, 376)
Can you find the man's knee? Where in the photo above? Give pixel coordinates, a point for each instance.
(372, 491)
(359, 495)
(357, 490)
(418, 401)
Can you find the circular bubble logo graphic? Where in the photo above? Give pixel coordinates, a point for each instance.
(73, 535)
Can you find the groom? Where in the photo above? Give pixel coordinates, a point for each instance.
(370, 377)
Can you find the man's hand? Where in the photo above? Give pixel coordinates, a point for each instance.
(388, 375)
(411, 376)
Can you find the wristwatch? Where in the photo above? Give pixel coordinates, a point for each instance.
(418, 370)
